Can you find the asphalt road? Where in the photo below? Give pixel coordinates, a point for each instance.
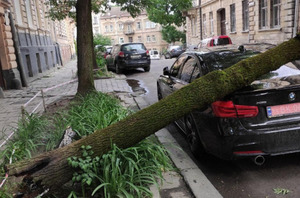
(233, 179)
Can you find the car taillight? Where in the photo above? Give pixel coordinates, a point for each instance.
(147, 53)
(226, 109)
(121, 54)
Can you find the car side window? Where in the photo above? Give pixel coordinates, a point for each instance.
(188, 69)
(174, 71)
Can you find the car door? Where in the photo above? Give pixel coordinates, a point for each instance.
(190, 71)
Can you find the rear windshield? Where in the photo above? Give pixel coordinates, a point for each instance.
(133, 47)
(224, 59)
(221, 41)
(155, 52)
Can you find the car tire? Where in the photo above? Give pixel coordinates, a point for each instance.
(117, 68)
(192, 136)
(167, 56)
(147, 69)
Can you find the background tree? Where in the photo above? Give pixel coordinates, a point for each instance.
(168, 13)
(170, 34)
(51, 170)
(81, 11)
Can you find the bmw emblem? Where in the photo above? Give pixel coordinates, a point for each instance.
(292, 96)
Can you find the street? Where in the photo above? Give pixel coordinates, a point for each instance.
(240, 178)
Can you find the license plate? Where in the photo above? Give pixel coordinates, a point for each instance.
(282, 110)
(135, 56)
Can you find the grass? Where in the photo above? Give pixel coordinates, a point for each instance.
(119, 173)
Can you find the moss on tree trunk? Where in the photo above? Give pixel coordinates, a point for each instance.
(50, 170)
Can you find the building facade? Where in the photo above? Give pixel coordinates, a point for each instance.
(31, 42)
(122, 28)
(245, 21)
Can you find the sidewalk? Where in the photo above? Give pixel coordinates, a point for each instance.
(191, 182)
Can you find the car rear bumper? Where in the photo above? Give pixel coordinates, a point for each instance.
(136, 64)
(256, 143)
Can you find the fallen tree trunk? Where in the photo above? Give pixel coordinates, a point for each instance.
(50, 170)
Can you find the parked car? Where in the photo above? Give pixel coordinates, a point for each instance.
(262, 119)
(154, 54)
(128, 56)
(174, 51)
(215, 41)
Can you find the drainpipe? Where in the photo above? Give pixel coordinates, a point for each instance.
(17, 50)
(296, 18)
(200, 12)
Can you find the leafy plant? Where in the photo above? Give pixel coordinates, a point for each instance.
(27, 138)
(95, 111)
(282, 191)
(128, 172)
(86, 167)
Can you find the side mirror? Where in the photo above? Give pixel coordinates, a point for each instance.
(166, 71)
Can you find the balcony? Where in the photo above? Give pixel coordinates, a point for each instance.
(128, 32)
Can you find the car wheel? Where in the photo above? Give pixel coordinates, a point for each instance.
(192, 136)
(118, 70)
(167, 56)
(147, 69)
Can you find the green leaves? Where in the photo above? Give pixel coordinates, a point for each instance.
(168, 12)
(171, 34)
(281, 191)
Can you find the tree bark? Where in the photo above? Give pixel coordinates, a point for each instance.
(84, 47)
(50, 170)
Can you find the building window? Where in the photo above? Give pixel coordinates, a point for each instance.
(139, 39)
(211, 22)
(204, 24)
(106, 28)
(121, 26)
(138, 25)
(275, 13)
(153, 25)
(28, 12)
(111, 28)
(18, 12)
(153, 38)
(121, 40)
(232, 18)
(130, 39)
(245, 9)
(129, 29)
(193, 25)
(263, 14)
(112, 41)
(95, 20)
(148, 39)
(148, 24)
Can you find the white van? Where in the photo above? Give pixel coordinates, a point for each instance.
(154, 54)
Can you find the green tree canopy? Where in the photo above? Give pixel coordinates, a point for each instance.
(168, 12)
(170, 34)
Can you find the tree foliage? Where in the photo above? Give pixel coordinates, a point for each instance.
(171, 34)
(168, 12)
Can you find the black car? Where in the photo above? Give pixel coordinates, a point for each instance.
(128, 56)
(262, 119)
(174, 51)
